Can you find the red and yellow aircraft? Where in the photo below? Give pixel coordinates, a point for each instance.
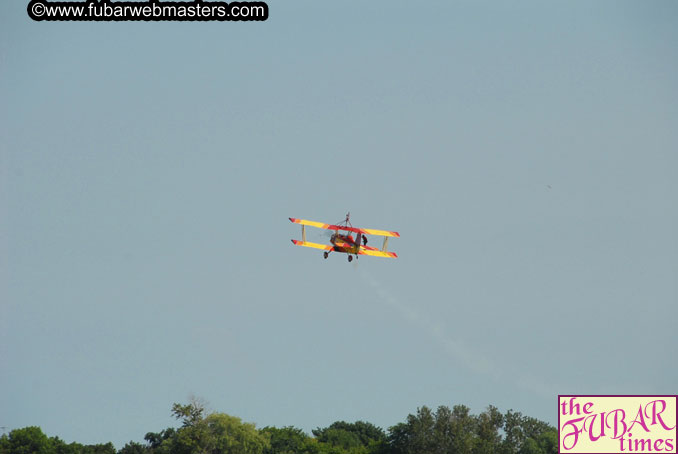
(343, 241)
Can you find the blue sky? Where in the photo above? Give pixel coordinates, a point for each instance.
(526, 152)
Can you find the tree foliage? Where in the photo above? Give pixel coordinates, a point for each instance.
(443, 431)
(31, 440)
(289, 440)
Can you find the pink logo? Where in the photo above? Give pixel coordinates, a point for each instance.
(600, 424)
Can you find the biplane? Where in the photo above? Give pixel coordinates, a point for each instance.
(343, 241)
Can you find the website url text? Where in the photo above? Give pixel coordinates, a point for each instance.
(152, 10)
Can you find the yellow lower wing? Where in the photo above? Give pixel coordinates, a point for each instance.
(313, 245)
(391, 255)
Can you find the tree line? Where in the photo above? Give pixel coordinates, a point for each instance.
(443, 431)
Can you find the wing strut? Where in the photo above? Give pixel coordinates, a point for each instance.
(383, 249)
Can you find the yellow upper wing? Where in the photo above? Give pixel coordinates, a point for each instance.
(379, 232)
(321, 225)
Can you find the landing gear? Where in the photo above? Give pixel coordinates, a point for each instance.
(325, 254)
(350, 258)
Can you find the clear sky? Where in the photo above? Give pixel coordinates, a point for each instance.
(526, 152)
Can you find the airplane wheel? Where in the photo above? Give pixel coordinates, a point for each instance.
(325, 254)
(350, 258)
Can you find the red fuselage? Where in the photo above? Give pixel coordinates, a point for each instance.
(345, 243)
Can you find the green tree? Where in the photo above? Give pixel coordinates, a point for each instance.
(217, 433)
(488, 425)
(61, 447)
(545, 442)
(155, 440)
(445, 431)
(530, 446)
(364, 433)
(29, 440)
(415, 436)
(191, 413)
(4, 444)
(463, 428)
(132, 447)
(289, 440)
(548, 441)
(527, 435)
(532, 427)
(514, 437)
(102, 448)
